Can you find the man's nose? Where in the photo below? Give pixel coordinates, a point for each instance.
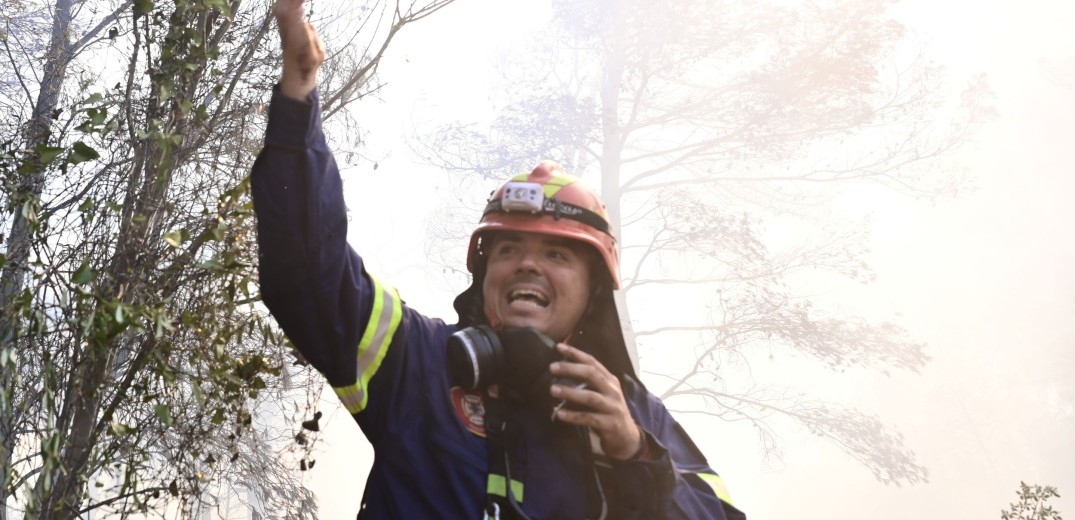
(528, 261)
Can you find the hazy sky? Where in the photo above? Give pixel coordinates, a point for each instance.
(987, 280)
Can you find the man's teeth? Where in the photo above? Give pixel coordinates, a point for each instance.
(528, 304)
(528, 296)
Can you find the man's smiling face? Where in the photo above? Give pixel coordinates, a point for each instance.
(535, 280)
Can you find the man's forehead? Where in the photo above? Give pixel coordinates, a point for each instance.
(519, 236)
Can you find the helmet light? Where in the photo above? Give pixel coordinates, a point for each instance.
(522, 196)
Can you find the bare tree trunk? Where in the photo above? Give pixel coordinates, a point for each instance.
(37, 134)
(7, 428)
(21, 235)
(611, 156)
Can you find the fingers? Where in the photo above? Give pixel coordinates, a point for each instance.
(586, 368)
(286, 7)
(600, 405)
(575, 354)
(295, 32)
(298, 37)
(288, 14)
(609, 419)
(583, 398)
(598, 422)
(304, 52)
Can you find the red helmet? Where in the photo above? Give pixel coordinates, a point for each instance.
(551, 202)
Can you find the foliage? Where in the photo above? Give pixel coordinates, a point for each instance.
(1032, 504)
(707, 124)
(135, 359)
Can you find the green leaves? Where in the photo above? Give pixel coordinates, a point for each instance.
(176, 238)
(43, 156)
(81, 152)
(31, 207)
(165, 89)
(1032, 504)
(143, 6)
(84, 274)
(220, 5)
(87, 205)
(46, 154)
(119, 429)
(162, 324)
(95, 120)
(96, 97)
(163, 413)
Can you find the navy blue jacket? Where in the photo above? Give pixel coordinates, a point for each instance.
(387, 364)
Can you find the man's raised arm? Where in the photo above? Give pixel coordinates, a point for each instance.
(311, 280)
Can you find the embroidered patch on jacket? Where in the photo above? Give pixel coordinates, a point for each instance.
(470, 409)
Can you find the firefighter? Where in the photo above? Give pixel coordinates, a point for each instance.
(590, 442)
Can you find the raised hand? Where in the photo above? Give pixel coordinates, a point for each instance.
(303, 50)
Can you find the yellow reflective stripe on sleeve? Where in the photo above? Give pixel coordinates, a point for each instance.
(384, 319)
(718, 486)
(350, 396)
(495, 486)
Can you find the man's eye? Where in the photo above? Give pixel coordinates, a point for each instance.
(557, 255)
